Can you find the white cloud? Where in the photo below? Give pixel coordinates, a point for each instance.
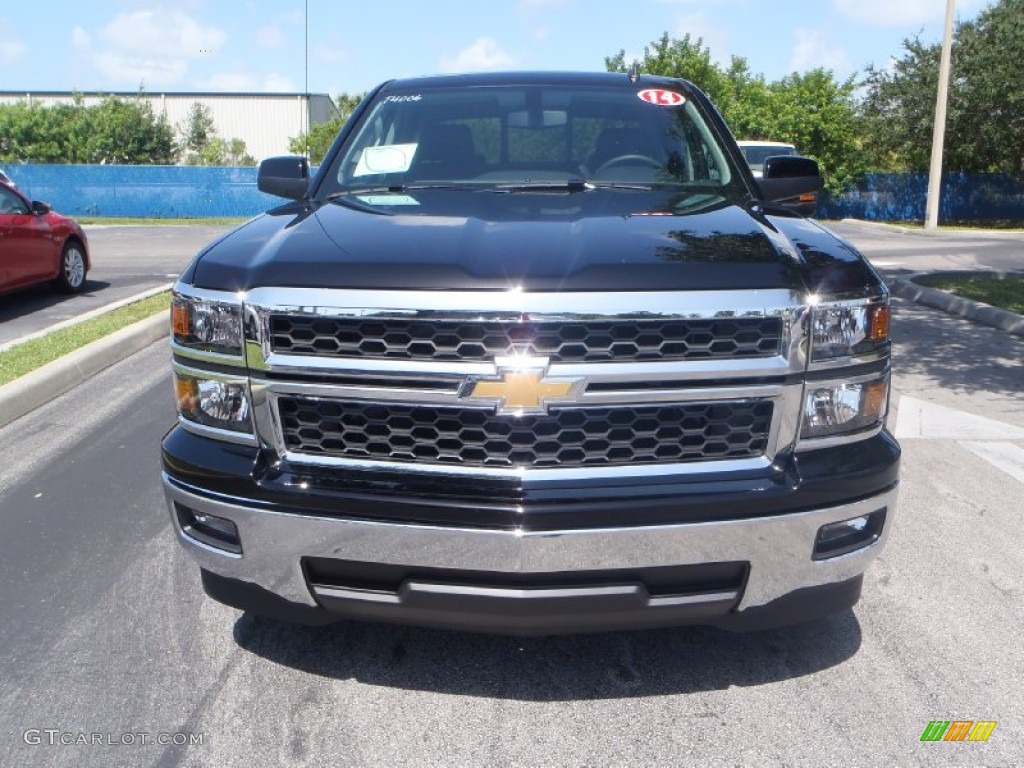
(11, 48)
(814, 49)
(80, 38)
(269, 36)
(136, 71)
(483, 54)
(885, 13)
(153, 46)
(170, 34)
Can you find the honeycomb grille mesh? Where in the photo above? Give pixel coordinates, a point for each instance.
(565, 437)
(468, 341)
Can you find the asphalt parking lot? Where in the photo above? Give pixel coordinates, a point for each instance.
(108, 632)
(126, 260)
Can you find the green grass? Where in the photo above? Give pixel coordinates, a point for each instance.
(1008, 225)
(23, 358)
(1005, 293)
(213, 221)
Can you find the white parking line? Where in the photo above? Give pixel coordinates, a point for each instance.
(1005, 456)
(921, 419)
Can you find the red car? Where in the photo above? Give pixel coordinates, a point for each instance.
(39, 246)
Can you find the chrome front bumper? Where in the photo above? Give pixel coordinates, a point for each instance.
(778, 549)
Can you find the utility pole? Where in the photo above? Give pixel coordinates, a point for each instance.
(306, 60)
(931, 218)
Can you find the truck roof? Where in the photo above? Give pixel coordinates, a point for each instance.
(518, 77)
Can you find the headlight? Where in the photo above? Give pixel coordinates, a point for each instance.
(844, 407)
(213, 402)
(849, 329)
(210, 326)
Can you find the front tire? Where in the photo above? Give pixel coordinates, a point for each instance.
(72, 269)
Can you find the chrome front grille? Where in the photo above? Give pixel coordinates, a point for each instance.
(618, 340)
(473, 384)
(562, 438)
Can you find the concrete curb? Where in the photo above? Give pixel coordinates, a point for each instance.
(37, 388)
(906, 288)
(883, 225)
(965, 234)
(86, 316)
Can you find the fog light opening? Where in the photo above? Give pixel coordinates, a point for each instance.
(846, 536)
(218, 532)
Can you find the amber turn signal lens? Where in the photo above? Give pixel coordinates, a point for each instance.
(179, 320)
(878, 317)
(186, 390)
(875, 395)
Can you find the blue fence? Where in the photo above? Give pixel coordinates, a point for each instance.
(901, 197)
(168, 191)
(162, 191)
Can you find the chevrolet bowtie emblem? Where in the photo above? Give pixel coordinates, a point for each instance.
(525, 389)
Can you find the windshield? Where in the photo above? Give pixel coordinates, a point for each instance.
(532, 135)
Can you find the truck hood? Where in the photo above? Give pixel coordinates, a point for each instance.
(598, 240)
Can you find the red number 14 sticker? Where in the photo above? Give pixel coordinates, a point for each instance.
(661, 97)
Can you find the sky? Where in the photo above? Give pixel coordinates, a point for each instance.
(261, 45)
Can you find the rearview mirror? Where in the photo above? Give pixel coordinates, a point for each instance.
(286, 176)
(39, 208)
(792, 181)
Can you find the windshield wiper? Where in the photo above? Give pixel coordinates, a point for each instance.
(393, 188)
(569, 185)
(621, 185)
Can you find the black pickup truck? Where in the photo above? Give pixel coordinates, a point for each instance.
(533, 353)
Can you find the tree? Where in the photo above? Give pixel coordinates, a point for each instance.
(818, 115)
(235, 153)
(991, 129)
(126, 132)
(811, 110)
(899, 108)
(985, 120)
(686, 58)
(218, 151)
(315, 144)
(116, 130)
(200, 144)
(748, 102)
(198, 129)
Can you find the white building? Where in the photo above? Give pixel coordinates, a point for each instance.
(264, 121)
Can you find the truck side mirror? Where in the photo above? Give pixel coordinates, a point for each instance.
(791, 180)
(286, 176)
